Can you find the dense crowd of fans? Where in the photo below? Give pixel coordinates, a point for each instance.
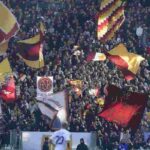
(70, 23)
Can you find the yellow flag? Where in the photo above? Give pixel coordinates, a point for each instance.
(3, 48)
(8, 24)
(5, 70)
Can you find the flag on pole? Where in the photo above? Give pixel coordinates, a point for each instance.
(110, 19)
(127, 62)
(47, 110)
(94, 56)
(127, 110)
(31, 50)
(8, 24)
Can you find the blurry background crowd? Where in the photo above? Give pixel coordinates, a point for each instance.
(69, 23)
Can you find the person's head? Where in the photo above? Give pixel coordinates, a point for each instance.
(81, 141)
(46, 139)
(64, 125)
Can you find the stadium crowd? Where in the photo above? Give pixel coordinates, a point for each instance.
(70, 23)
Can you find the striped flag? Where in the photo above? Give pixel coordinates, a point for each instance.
(8, 24)
(94, 56)
(47, 109)
(110, 19)
(31, 51)
(127, 62)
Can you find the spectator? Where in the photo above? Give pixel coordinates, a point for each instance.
(82, 145)
(45, 144)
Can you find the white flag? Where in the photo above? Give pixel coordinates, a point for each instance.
(55, 103)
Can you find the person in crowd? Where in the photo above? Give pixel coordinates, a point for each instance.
(82, 145)
(45, 144)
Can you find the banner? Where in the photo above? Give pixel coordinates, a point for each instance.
(55, 107)
(44, 86)
(31, 50)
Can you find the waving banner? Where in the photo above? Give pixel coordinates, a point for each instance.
(55, 108)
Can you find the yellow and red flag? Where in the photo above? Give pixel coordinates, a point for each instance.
(77, 86)
(8, 24)
(127, 62)
(110, 19)
(31, 50)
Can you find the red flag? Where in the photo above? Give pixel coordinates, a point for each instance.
(126, 110)
(8, 91)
